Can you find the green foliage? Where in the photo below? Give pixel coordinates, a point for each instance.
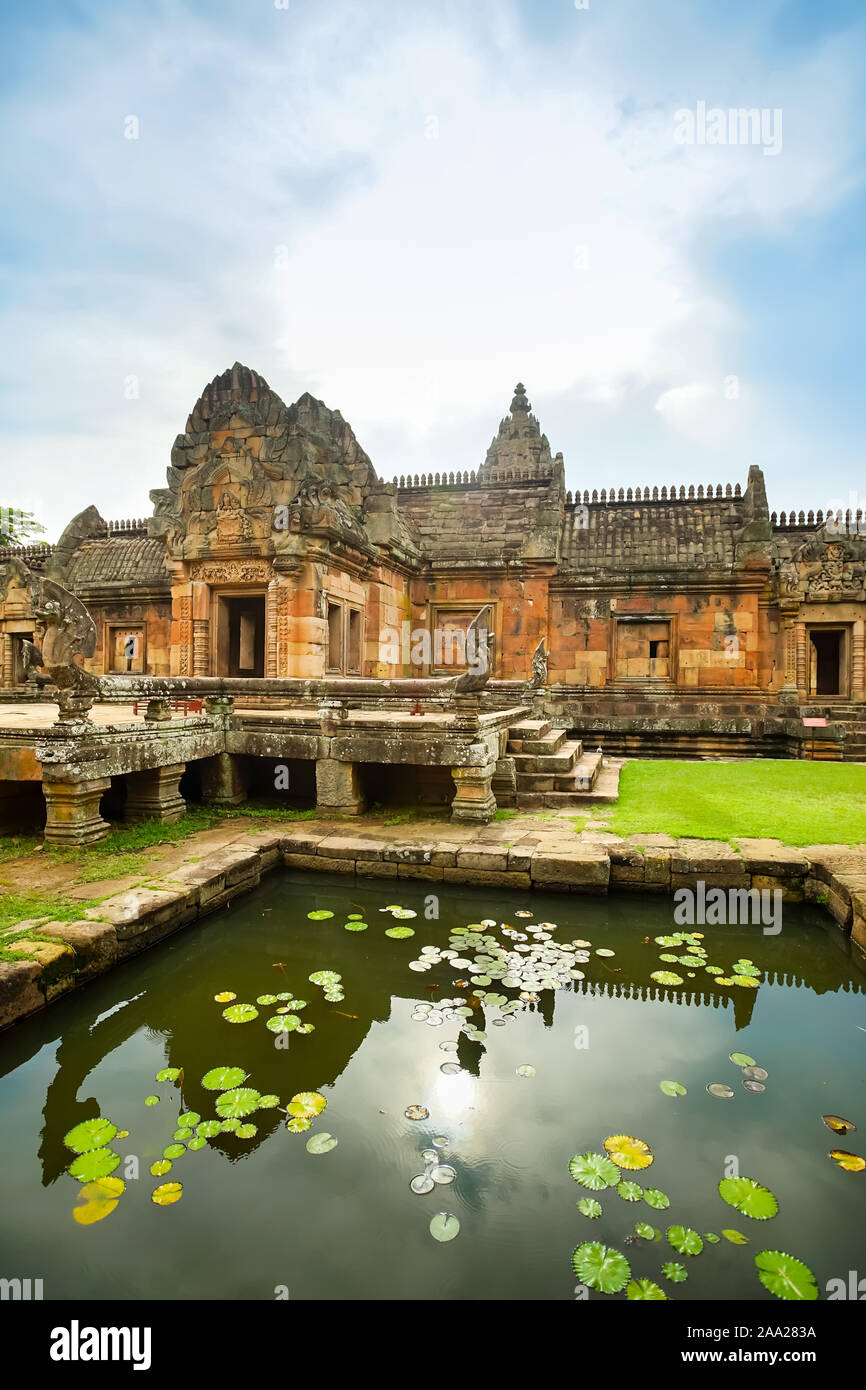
(786, 1277)
(601, 1268)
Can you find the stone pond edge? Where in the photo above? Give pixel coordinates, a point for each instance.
(70, 954)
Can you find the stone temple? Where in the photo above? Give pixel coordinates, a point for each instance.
(325, 618)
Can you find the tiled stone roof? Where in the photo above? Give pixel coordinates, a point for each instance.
(132, 560)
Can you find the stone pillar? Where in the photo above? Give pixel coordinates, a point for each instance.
(72, 812)
(858, 660)
(338, 788)
(200, 647)
(788, 691)
(802, 687)
(473, 799)
(224, 779)
(155, 793)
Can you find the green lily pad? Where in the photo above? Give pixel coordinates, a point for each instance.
(167, 1194)
(182, 1133)
(283, 1023)
(644, 1288)
(151, 1100)
(209, 1129)
(174, 1151)
(524, 1070)
(319, 914)
(321, 1143)
(601, 1268)
(90, 1134)
(168, 1074)
(355, 926)
(235, 1104)
(675, 1272)
(657, 1199)
(588, 1206)
(297, 1124)
(711, 1238)
(672, 1088)
(240, 1013)
(324, 977)
(735, 1237)
(667, 940)
(269, 1102)
(266, 999)
(246, 1131)
(160, 1168)
(666, 977)
(223, 1078)
(645, 1230)
(742, 1059)
(630, 1191)
(400, 934)
(595, 1171)
(444, 1227)
(95, 1163)
(309, 1103)
(748, 1197)
(197, 1142)
(684, 1240)
(785, 1276)
(189, 1117)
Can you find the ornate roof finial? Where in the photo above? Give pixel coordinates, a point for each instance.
(520, 405)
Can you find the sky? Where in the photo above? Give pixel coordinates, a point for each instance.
(405, 208)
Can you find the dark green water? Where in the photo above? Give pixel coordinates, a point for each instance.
(261, 1213)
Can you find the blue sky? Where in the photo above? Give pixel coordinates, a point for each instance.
(406, 208)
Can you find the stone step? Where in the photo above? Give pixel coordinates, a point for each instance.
(540, 744)
(582, 777)
(561, 761)
(528, 728)
(605, 791)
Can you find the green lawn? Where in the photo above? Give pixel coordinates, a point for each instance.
(800, 803)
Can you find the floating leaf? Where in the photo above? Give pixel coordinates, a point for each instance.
(657, 1199)
(852, 1163)
(237, 1103)
(197, 1142)
(720, 1090)
(742, 1059)
(283, 1023)
(189, 1117)
(588, 1206)
(674, 1271)
(601, 1268)
(225, 997)
(151, 1100)
(96, 1163)
(630, 1191)
(168, 1074)
(182, 1133)
(786, 1277)
(684, 1240)
(161, 1167)
(241, 1013)
(266, 999)
(422, 1184)
(443, 1174)
(756, 1073)
(525, 1071)
(269, 1102)
(319, 914)
(298, 1124)
(416, 1112)
(324, 977)
(209, 1129)
(666, 977)
(401, 933)
(174, 1151)
(229, 1126)
(745, 981)
(748, 1197)
(404, 912)
(90, 1134)
(834, 1122)
(355, 926)
(444, 1226)
(309, 1103)
(628, 1152)
(246, 1131)
(645, 1231)
(753, 1085)
(97, 1200)
(223, 1078)
(735, 1237)
(595, 1171)
(662, 941)
(167, 1193)
(672, 1088)
(644, 1288)
(321, 1144)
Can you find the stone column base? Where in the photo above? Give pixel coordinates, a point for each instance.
(155, 793)
(224, 780)
(338, 788)
(474, 799)
(73, 812)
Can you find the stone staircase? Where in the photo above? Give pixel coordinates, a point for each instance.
(852, 716)
(552, 770)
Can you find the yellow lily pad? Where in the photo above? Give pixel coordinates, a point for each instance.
(628, 1152)
(97, 1199)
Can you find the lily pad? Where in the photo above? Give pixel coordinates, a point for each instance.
(416, 1112)
(283, 1023)
(628, 1152)
(630, 1191)
(684, 1240)
(297, 1124)
(399, 933)
(269, 1102)
(588, 1206)
(657, 1199)
(644, 1289)
(756, 1073)
(735, 1237)
(167, 1194)
(646, 1231)
(319, 914)
(742, 1059)
(748, 1197)
(672, 1088)
(321, 1143)
(151, 1100)
(160, 1167)
(223, 1078)
(785, 1276)
(443, 1174)
(674, 1271)
(97, 1199)
(444, 1227)
(174, 1151)
(197, 1142)
(235, 1104)
(240, 1013)
(422, 1184)
(95, 1163)
(601, 1268)
(525, 1071)
(245, 1132)
(90, 1134)
(209, 1129)
(720, 1090)
(666, 977)
(834, 1122)
(189, 1117)
(168, 1074)
(309, 1103)
(266, 999)
(852, 1163)
(225, 997)
(355, 926)
(594, 1171)
(324, 977)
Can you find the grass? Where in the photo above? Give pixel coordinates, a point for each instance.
(800, 803)
(20, 907)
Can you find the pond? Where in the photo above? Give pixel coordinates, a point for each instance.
(266, 1211)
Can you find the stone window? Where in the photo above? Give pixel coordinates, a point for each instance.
(125, 648)
(345, 638)
(643, 649)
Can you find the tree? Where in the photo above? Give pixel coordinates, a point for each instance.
(18, 527)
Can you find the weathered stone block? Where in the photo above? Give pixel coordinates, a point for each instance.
(20, 993)
(488, 878)
(94, 944)
(488, 857)
(429, 872)
(585, 866)
(313, 861)
(349, 847)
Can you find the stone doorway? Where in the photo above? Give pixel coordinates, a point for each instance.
(828, 664)
(240, 635)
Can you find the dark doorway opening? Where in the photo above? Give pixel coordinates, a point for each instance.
(827, 656)
(241, 636)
